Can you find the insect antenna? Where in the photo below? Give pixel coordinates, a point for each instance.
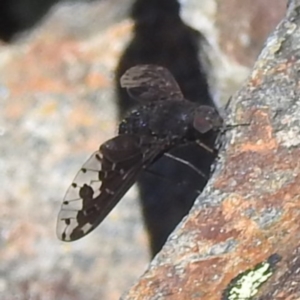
(231, 126)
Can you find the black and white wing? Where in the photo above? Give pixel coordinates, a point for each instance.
(150, 83)
(101, 183)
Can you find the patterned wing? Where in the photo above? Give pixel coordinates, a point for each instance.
(101, 183)
(150, 83)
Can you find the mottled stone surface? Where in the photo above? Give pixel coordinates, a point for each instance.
(57, 103)
(249, 211)
(57, 106)
(244, 26)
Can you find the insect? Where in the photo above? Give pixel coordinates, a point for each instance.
(163, 120)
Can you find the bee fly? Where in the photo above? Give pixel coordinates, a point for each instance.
(163, 120)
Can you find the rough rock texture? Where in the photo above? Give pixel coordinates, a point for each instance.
(57, 106)
(249, 210)
(244, 26)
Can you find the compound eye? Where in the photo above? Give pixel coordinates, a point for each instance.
(206, 118)
(203, 118)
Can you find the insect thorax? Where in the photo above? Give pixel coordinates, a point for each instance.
(163, 119)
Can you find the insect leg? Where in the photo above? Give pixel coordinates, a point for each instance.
(185, 163)
(207, 148)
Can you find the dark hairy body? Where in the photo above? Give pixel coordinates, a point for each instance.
(163, 120)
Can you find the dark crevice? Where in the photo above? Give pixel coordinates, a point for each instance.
(162, 38)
